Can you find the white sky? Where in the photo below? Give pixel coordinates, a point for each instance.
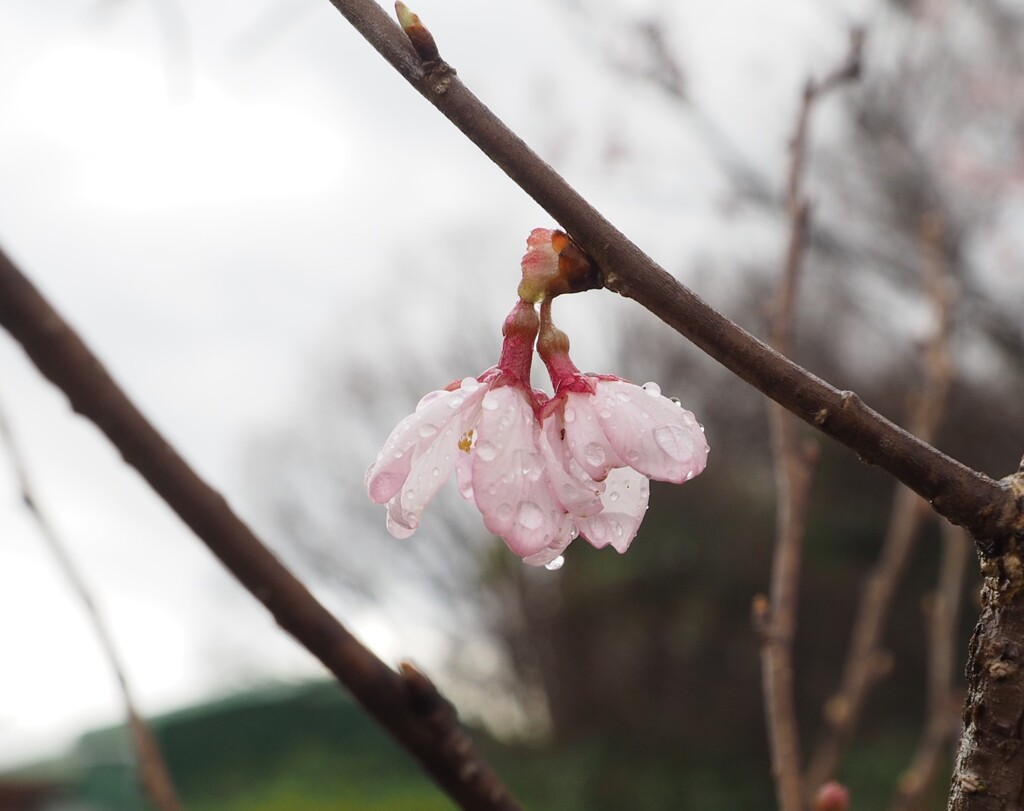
(204, 221)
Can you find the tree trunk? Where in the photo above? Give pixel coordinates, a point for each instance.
(989, 772)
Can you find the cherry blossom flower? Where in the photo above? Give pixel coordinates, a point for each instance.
(488, 429)
(542, 471)
(618, 434)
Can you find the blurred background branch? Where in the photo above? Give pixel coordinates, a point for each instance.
(151, 767)
(793, 465)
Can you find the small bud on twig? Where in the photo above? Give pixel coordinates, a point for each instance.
(422, 40)
(832, 796)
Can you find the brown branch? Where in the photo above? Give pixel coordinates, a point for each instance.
(866, 662)
(405, 703)
(941, 724)
(154, 775)
(965, 496)
(793, 465)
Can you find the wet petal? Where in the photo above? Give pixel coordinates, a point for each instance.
(575, 490)
(464, 474)
(625, 503)
(510, 484)
(420, 454)
(650, 433)
(585, 437)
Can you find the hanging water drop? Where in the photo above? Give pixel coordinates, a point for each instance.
(556, 564)
(652, 389)
(469, 384)
(486, 451)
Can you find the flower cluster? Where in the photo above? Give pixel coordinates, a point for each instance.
(541, 469)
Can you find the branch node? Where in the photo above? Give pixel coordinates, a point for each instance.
(972, 783)
(1001, 669)
(424, 695)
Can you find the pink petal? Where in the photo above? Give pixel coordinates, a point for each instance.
(650, 433)
(577, 492)
(464, 475)
(510, 485)
(586, 438)
(420, 453)
(625, 503)
(545, 556)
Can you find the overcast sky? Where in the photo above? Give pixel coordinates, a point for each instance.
(208, 190)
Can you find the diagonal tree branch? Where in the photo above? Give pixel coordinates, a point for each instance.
(405, 703)
(965, 496)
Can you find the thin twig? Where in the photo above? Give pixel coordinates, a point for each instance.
(793, 465)
(866, 663)
(154, 775)
(965, 496)
(405, 703)
(941, 722)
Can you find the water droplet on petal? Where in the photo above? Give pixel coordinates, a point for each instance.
(613, 496)
(675, 441)
(570, 414)
(530, 515)
(574, 532)
(427, 430)
(677, 401)
(622, 396)
(490, 401)
(436, 471)
(652, 389)
(504, 512)
(594, 454)
(689, 475)
(645, 415)
(486, 451)
(398, 454)
(469, 384)
(632, 455)
(456, 402)
(701, 429)
(532, 468)
(410, 494)
(605, 413)
(506, 420)
(598, 530)
(556, 564)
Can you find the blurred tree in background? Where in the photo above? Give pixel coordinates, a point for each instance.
(646, 667)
